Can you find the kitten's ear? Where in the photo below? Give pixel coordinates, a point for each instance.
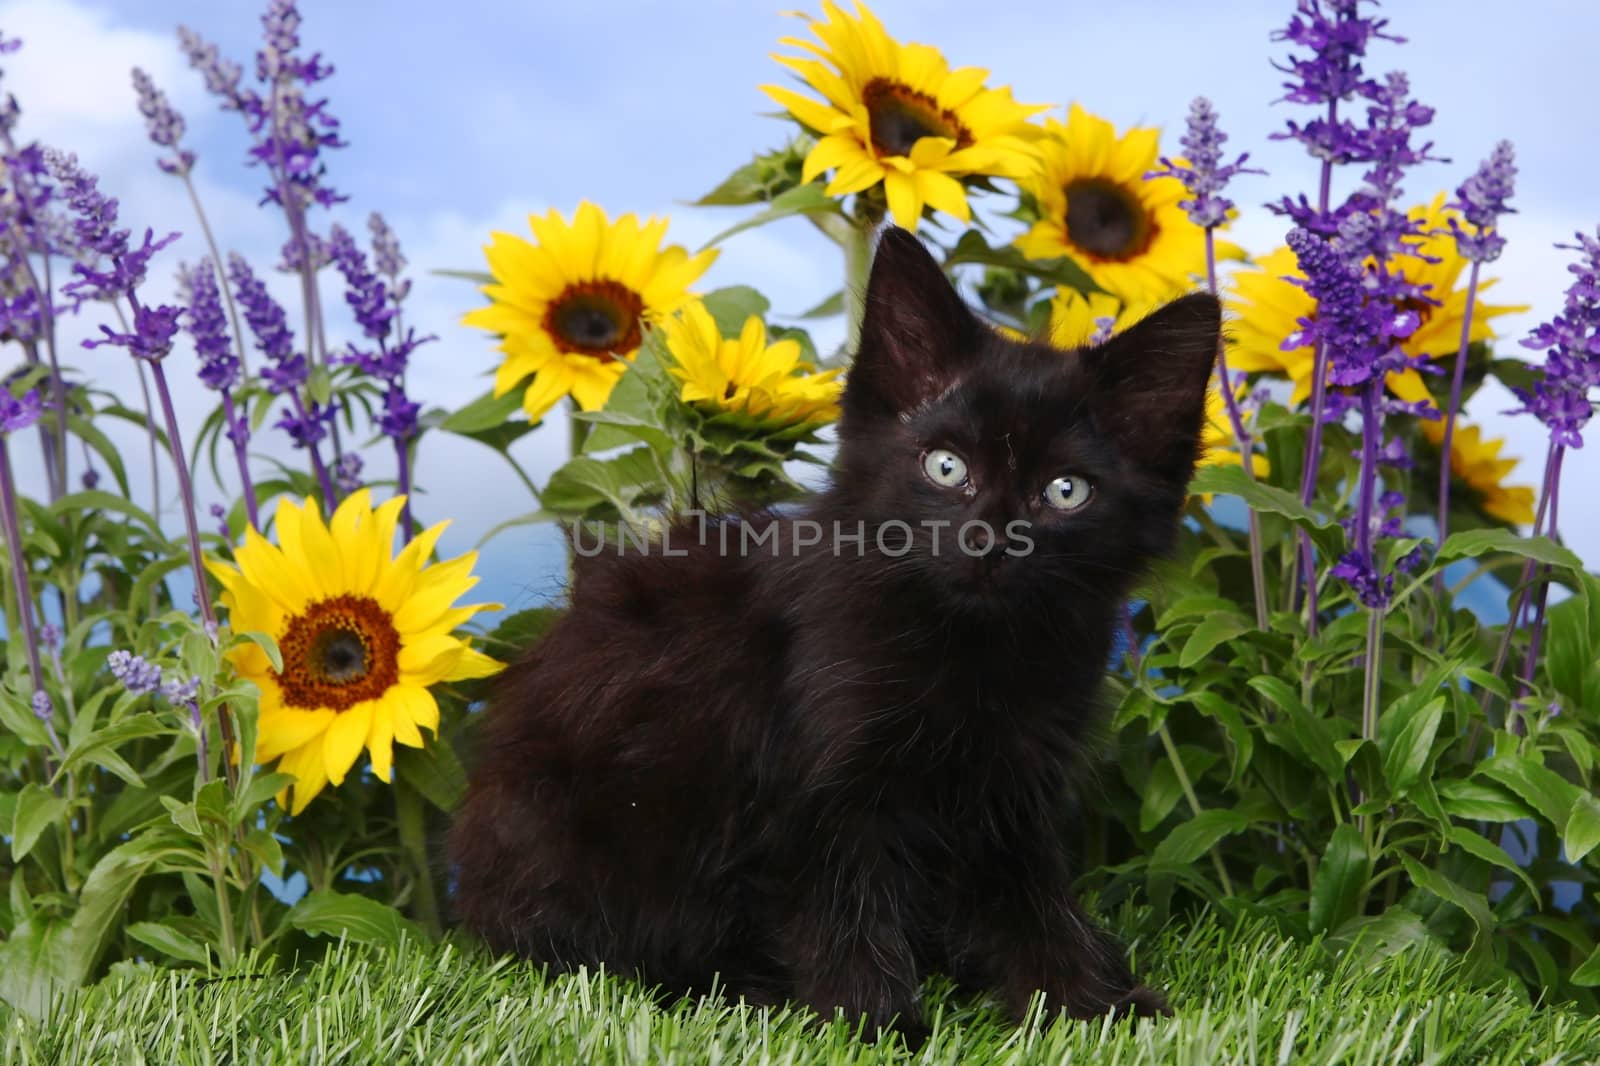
(1151, 382)
(916, 334)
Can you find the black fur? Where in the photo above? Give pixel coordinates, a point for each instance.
(824, 776)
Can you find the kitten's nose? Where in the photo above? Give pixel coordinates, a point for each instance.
(978, 539)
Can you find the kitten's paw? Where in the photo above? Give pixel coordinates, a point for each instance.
(1142, 1002)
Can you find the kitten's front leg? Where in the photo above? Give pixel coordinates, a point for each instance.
(846, 942)
(1030, 934)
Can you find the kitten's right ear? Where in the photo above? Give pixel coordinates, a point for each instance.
(917, 335)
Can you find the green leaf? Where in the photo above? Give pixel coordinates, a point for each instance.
(1471, 543)
(477, 277)
(523, 629)
(804, 199)
(268, 644)
(1341, 879)
(973, 248)
(1588, 974)
(434, 772)
(486, 412)
(1474, 904)
(169, 941)
(257, 791)
(35, 964)
(104, 897)
(1212, 631)
(366, 921)
(1406, 751)
(830, 307)
(1233, 481)
(1582, 831)
(585, 483)
(1195, 837)
(1489, 852)
(1161, 793)
(37, 809)
(732, 305)
(1550, 794)
(743, 186)
(1481, 801)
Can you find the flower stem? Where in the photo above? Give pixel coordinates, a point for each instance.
(402, 459)
(857, 268)
(202, 591)
(1193, 800)
(1258, 579)
(1369, 689)
(330, 496)
(19, 567)
(150, 426)
(410, 816)
(246, 485)
(216, 257)
(1450, 418)
(1306, 559)
(1552, 491)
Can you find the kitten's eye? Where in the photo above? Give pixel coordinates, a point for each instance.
(1068, 493)
(945, 468)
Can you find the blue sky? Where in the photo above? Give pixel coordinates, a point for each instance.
(464, 116)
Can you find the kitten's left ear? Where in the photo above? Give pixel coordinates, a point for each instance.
(917, 336)
(1152, 380)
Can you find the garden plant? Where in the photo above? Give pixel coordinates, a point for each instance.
(231, 740)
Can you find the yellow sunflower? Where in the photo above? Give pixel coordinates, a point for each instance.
(1267, 307)
(1076, 319)
(1474, 460)
(744, 379)
(1097, 208)
(897, 114)
(569, 305)
(362, 634)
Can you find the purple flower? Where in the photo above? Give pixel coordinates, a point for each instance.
(19, 412)
(219, 367)
(347, 472)
(309, 428)
(222, 75)
(90, 478)
(386, 253)
(153, 330)
(220, 513)
(133, 672)
(1482, 199)
(180, 693)
(163, 123)
(1571, 343)
(366, 293)
(293, 258)
(399, 418)
(270, 326)
(1204, 175)
(43, 708)
(50, 636)
(292, 131)
(96, 234)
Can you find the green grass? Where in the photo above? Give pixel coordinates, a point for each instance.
(1241, 996)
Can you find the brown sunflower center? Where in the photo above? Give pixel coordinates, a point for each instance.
(338, 652)
(595, 318)
(900, 116)
(1106, 220)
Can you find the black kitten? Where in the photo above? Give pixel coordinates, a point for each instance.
(828, 770)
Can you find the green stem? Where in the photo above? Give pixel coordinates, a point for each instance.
(1369, 689)
(230, 948)
(857, 267)
(414, 842)
(1194, 801)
